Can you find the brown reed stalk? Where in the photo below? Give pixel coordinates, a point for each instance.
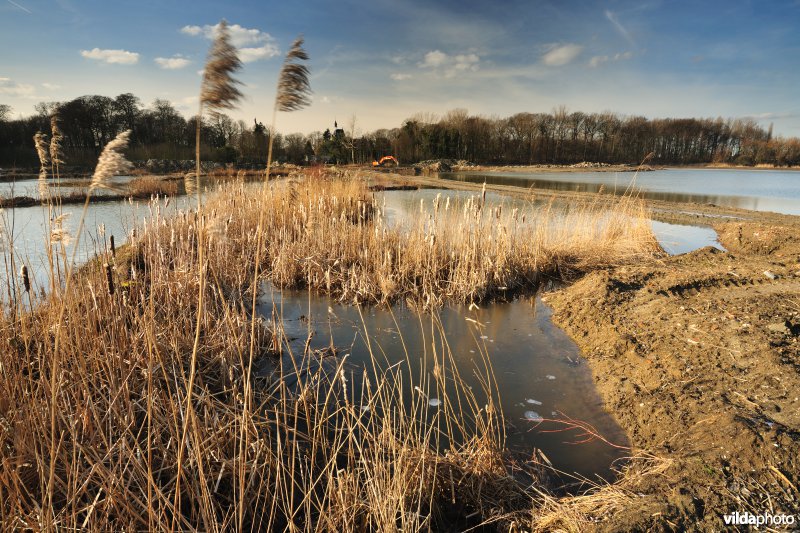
(218, 91)
(110, 163)
(292, 94)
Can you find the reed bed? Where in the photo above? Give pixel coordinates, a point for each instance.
(333, 236)
(94, 442)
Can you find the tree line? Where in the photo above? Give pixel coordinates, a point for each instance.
(159, 131)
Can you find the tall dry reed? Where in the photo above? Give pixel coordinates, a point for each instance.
(94, 442)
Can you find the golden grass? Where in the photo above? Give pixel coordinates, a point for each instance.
(147, 186)
(331, 235)
(303, 459)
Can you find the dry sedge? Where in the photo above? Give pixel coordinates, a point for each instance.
(93, 443)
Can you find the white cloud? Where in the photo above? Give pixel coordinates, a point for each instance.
(253, 44)
(596, 61)
(450, 65)
(119, 57)
(397, 76)
(561, 55)
(51, 86)
(172, 63)
(9, 87)
(433, 59)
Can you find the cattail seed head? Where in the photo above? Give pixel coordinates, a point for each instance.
(113, 248)
(109, 278)
(26, 280)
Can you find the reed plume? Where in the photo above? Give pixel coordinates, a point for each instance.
(40, 140)
(56, 153)
(293, 85)
(218, 89)
(111, 163)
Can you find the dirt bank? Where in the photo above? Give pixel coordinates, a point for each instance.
(698, 358)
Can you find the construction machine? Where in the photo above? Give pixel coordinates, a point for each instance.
(386, 161)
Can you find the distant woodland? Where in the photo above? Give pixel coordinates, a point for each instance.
(558, 137)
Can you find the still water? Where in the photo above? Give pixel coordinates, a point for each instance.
(25, 230)
(403, 206)
(540, 375)
(759, 190)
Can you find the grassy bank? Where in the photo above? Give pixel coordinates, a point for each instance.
(91, 425)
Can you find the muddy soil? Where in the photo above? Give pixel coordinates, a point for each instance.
(698, 358)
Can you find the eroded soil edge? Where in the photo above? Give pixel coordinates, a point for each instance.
(698, 357)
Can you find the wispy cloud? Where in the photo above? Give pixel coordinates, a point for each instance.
(775, 116)
(9, 87)
(51, 86)
(172, 63)
(620, 28)
(253, 44)
(596, 61)
(561, 55)
(117, 57)
(450, 65)
(400, 76)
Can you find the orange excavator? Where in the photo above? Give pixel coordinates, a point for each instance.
(386, 161)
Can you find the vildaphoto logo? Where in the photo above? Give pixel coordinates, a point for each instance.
(763, 519)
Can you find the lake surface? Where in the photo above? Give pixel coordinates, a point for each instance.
(759, 190)
(540, 374)
(30, 188)
(403, 206)
(25, 230)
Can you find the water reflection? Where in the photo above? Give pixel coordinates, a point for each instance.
(758, 190)
(30, 188)
(536, 366)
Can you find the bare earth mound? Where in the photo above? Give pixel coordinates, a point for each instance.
(698, 358)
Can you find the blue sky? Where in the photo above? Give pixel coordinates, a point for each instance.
(386, 60)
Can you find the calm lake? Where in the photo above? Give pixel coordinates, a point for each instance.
(759, 190)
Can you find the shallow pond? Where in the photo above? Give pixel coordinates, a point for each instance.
(540, 375)
(759, 190)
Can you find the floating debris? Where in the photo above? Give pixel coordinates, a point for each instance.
(484, 337)
(533, 416)
(550, 377)
(434, 402)
(532, 401)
